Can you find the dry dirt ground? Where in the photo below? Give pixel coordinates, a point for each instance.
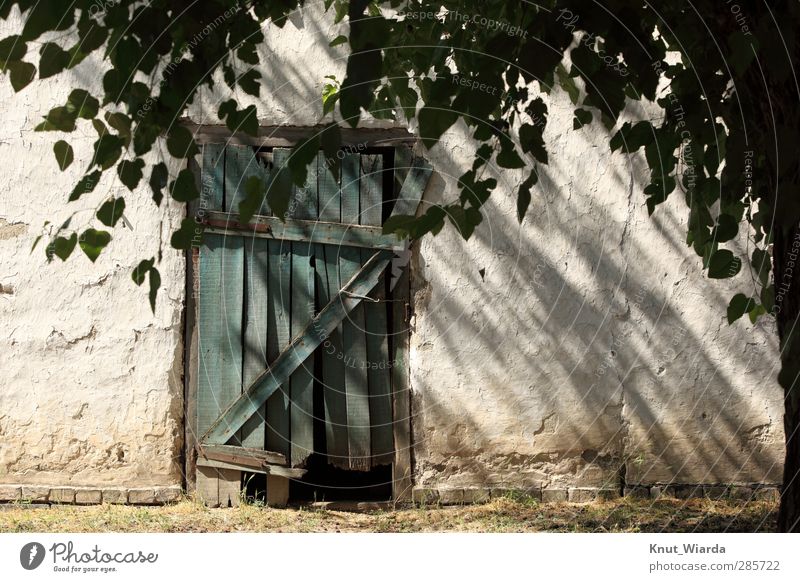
(499, 515)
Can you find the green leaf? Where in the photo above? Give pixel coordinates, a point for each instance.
(130, 172)
(183, 188)
(92, 242)
(85, 185)
(245, 120)
(188, 234)
(21, 74)
(409, 226)
(723, 265)
(122, 124)
(100, 127)
(254, 194)
(341, 39)
(12, 48)
(180, 143)
(582, 117)
(53, 60)
(568, 84)
(107, 150)
(81, 103)
(111, 211)
(330, 95)
(62, 247)
(739, 305)
(757, 311)
(58, 119)
(46, 16)
(158, 181)
(64, 154)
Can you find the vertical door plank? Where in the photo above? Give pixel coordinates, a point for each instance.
(302, 380)
(220, 347)
(327, 268)
(354, 343)
(375, 320)
(213, 171)
(279, 329)
(256, 293)
(255, 331)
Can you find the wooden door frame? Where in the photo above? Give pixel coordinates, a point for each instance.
(277, 136)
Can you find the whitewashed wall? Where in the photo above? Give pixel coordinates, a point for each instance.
(547, 354)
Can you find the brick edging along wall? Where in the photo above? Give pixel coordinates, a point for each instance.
(454, 496)
(442, 496)
(90, 495)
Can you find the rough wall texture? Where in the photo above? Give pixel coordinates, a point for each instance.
(584, 348)
(92, 390)
(578, 347)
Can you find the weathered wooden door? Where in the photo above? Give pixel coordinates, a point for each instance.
(285, 300)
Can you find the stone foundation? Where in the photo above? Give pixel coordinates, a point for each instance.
(89, 495)
(459, 496)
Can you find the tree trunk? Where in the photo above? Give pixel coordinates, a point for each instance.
(786, 260)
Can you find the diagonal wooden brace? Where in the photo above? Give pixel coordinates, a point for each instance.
(302, 346)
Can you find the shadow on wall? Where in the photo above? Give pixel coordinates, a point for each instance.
(585, 347)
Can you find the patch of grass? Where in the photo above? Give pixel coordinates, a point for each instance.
(511, 513)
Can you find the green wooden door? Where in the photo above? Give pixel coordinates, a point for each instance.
(289, 305)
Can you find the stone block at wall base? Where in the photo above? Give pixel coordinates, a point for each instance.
(751, 492)
(10, 492)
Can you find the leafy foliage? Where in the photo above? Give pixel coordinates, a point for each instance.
(491, 71)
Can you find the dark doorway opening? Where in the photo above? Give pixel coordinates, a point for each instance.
(324, 482)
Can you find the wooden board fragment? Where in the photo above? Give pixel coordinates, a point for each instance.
(292, 229)
(303, 310)
(375, 322)
(328, 284)
(236, 454)
(255, 331)
(220, 358)
(354, 342)
(279, 330)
